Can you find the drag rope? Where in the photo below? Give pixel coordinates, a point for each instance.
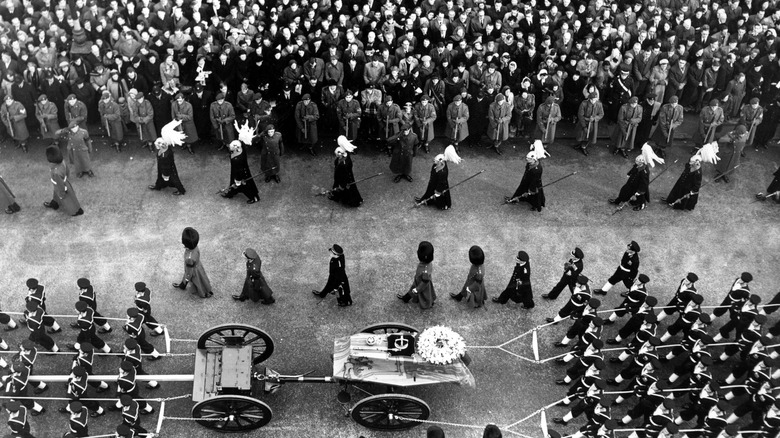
(446, 423)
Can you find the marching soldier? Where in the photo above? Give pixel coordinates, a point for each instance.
(87, 295)
(422, 290)
(182, 110)
(389, 117)
(457, 121)
(626, 272)
(684, 293)
(437, 192)
(47, 114)
(85, 359)
(580, 296)
(143, 302)
(126, 385)
(271, 151)
(338, 283)
(222, 117)
(241, 180)
(28, 354)
(586, 318)
(36, 322)
(685, 192)
(636, 190)
(519, 287)
(670, 117)
(740, 317)
(424, 116)
(87, 328)
(167, 175)
(143, 117)
(531, 188)
(130, 413)
(731, 147)
(547, 117)
(499, 116)
(643, 315)
(643, 354)
(571, 271)
(13, 116)
(255, 287)
(646, 331)
(646, 377)
(751, 351)
(348, 111)
(474, 289)
(111, 117)
(772, 191)
(751, 116)
(77, 389)
(77, 421)
(593, 398)
(628, 119)
(633, 299)
(79, 149)
(692, 322)
(306, 116)
(739, 292)
(588, 116)
(17, 419)
(134, 328)
(132, 353)
(710, 118)
(18, 385)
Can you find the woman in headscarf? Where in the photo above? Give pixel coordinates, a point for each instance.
(194, 273)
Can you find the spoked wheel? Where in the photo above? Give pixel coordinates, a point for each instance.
(384, 328)
(382, 412)
(238, 335)
(232, 413)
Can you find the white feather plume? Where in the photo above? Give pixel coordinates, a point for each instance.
(345, 144)
(451, 155)
(537, 150)
(650, 157)
(171, 135)
(245, 133)
(709, 153)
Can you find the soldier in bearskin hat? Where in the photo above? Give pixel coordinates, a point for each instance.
(422, 291)
(474, 288)
(194, 273)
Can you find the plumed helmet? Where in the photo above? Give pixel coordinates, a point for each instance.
(425, 252)
(190, 238)
(53, 155)
(476, 255)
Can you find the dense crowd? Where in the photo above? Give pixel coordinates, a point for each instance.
(366, 70)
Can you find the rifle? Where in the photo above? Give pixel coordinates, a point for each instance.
(305, 128)
(108, 127)
(140, 131)
(587, 133)
(628, 133)
(516, 198)
(767, 196)
(547, 128)
(707, 137)
(688, 195)
(221, 132)
(623, 204)
(44, 128)
(341, 189)
(10, 123)
(387, 127)
(423, 201)
(243, 181)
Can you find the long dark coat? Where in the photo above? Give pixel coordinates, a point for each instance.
(201, 113)
(688, 182)
(532, 180)
(438, 183)
(63, 191)
(184, 112)
(272, 150)
(474, 284)
(426, 294)
(342, 176)
(255, 286)
(239, 171)
(162, 109)
(56, 92)
(403, 151)
(638, 182)
(338, 281)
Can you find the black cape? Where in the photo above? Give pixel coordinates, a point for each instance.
(342, 176)
(638, 182)
(688, 182)
(239, 170)
(532, 180)
(438, 183)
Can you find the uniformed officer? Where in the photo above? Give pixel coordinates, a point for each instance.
(643, 315)
(626, 272)
(519, 287)
(85, 358)
(18, 386)
(580, 296)
(689, 315)
(633, 299)
(571, 270)
(130, 413)
(134, 328)
(143, 301)
(132, 354)
(36, 320)
(77, 389)
(587, 316)
(28, 354)
(17, 420)
(739, 292)
(740, 318)
(685, 291)
(126, 385)
(77, 422)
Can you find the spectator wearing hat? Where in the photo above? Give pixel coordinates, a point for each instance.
(523, 108)
(547, 117)
(24, 93)
(46, 113)
(201, 100)
(670, 117)
(56, 89)
(13, 115)
(337, 283)
(161, 98)
(244, 99)
(710, 118)
(389, 118)
(306, 117)
(499, 118)
(181, 110)
(659, 78)
(271, 151)
(588, 116)
(85, 93)
(8, 200)
(348, 112)
(474, 289)
(519, 287)
(730, 151)
(457, 115)
(404, 144)
(79, 148)
(330, 96)
(648, 120)
(751, 115)
(571, 272)
(142, 114)
(629, 117)
(691, 95)
(424, 116)
(626, 272)
(222, 115)
(422, 290)
(64, 196)
(194, 272)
